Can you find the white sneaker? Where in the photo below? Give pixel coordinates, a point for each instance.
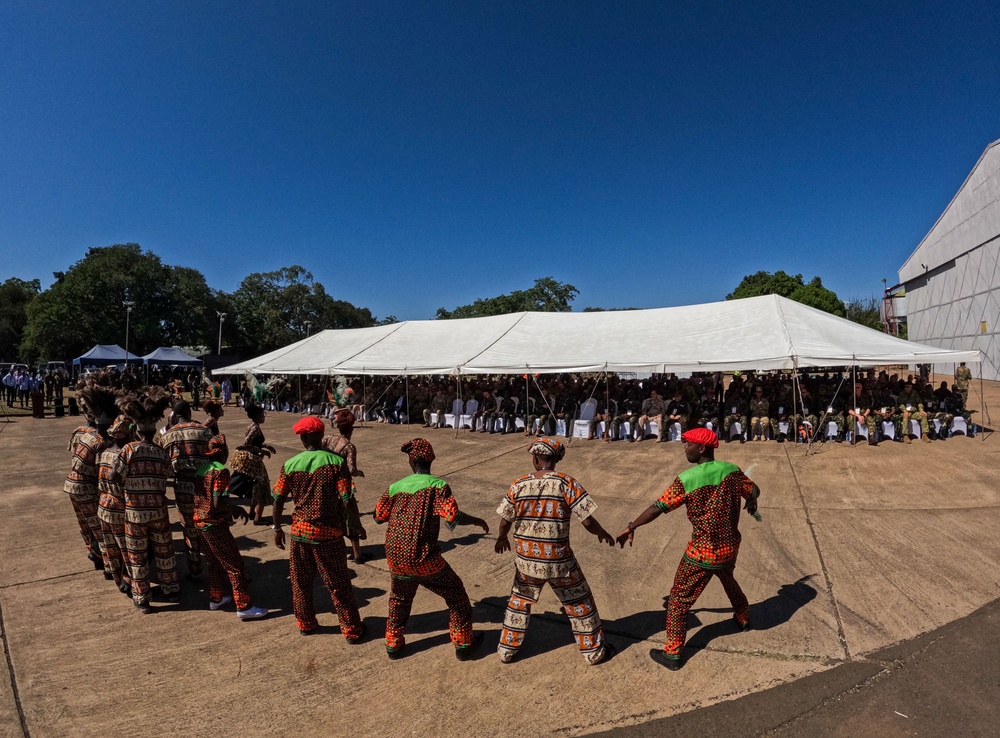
(251, 613)
(226, 599)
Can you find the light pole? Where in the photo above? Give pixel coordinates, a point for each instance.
(308, 327)
(129, 304)
(222, 319)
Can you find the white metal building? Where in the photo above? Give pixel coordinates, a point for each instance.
(952, 279)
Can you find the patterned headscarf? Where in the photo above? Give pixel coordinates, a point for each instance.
(548, 448)
(418, 450)
(218, 446)
(121, 429)
(701, 436)
(343, 418)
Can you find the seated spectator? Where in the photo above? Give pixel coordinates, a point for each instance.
(653, 410)
(678, 411)
(439, 406)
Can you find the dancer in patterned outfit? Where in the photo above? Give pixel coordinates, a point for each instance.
(213, 411)
(320, 485)
(111, 504)
(413, 507)
(343, 420)
(213, 514)
(85, 446)
(712, 491)
(187, 445)
(142, 468)
(248, 464)
(539, 506)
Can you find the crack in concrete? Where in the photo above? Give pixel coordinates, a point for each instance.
(841, 634)
(13, 678)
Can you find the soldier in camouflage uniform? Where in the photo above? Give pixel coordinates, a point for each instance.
(805, 415)
(834, 408)
(963, 375)
(760, 418)
(736, 411)
(911, 407)
(862, 410)
(628, 412)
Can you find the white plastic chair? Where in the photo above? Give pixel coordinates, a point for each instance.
(860, 430)
(451, 419)
(889, 430)
(831, 429)
(581, 426)
(958, 425)
(735, 430)
(915, 428)
(465, 419)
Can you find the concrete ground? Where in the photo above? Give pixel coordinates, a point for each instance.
(861, 549)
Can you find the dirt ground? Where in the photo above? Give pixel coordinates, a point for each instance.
(860, 548)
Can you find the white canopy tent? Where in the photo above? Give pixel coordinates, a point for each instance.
(761, 333)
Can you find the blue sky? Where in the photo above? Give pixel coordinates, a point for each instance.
(419, 155)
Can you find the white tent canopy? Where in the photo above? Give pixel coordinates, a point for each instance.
(761, 333)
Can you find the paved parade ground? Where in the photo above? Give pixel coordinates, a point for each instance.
(860, 549)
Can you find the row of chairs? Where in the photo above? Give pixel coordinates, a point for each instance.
(888, 431)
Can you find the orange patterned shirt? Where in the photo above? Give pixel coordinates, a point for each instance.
(540, 509)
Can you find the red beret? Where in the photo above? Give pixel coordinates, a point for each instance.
(308, 424)
(701, 436)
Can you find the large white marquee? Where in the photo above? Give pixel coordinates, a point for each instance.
(761, 333)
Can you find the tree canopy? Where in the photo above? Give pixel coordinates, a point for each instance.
(546, 296)
(813, 293)
(15, 294)
(273, 309)
(85, 305)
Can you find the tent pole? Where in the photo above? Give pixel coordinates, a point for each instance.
(458, 393)
(607, 405)
(406, 389)
(854, 430)
(364, 397)
(794, 431)
(527, 430)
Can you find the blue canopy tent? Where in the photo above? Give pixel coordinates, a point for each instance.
(105, 354)
(171, 357)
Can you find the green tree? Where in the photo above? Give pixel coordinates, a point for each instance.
(546, 296)
(813, 294)
(15, 295)
(273, 309)
(84, 305)
(866, 311)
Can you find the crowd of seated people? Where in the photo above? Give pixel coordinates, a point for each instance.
(749, 407)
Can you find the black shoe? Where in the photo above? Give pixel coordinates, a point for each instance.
(108, 576)
(872, 441)
(193, 576)
(97, 561)
(742, 440)
(660, 657)
(742, 626)
(609, 653)
(144, 609)
(465, 653)
(395, 653)
(308, 632)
